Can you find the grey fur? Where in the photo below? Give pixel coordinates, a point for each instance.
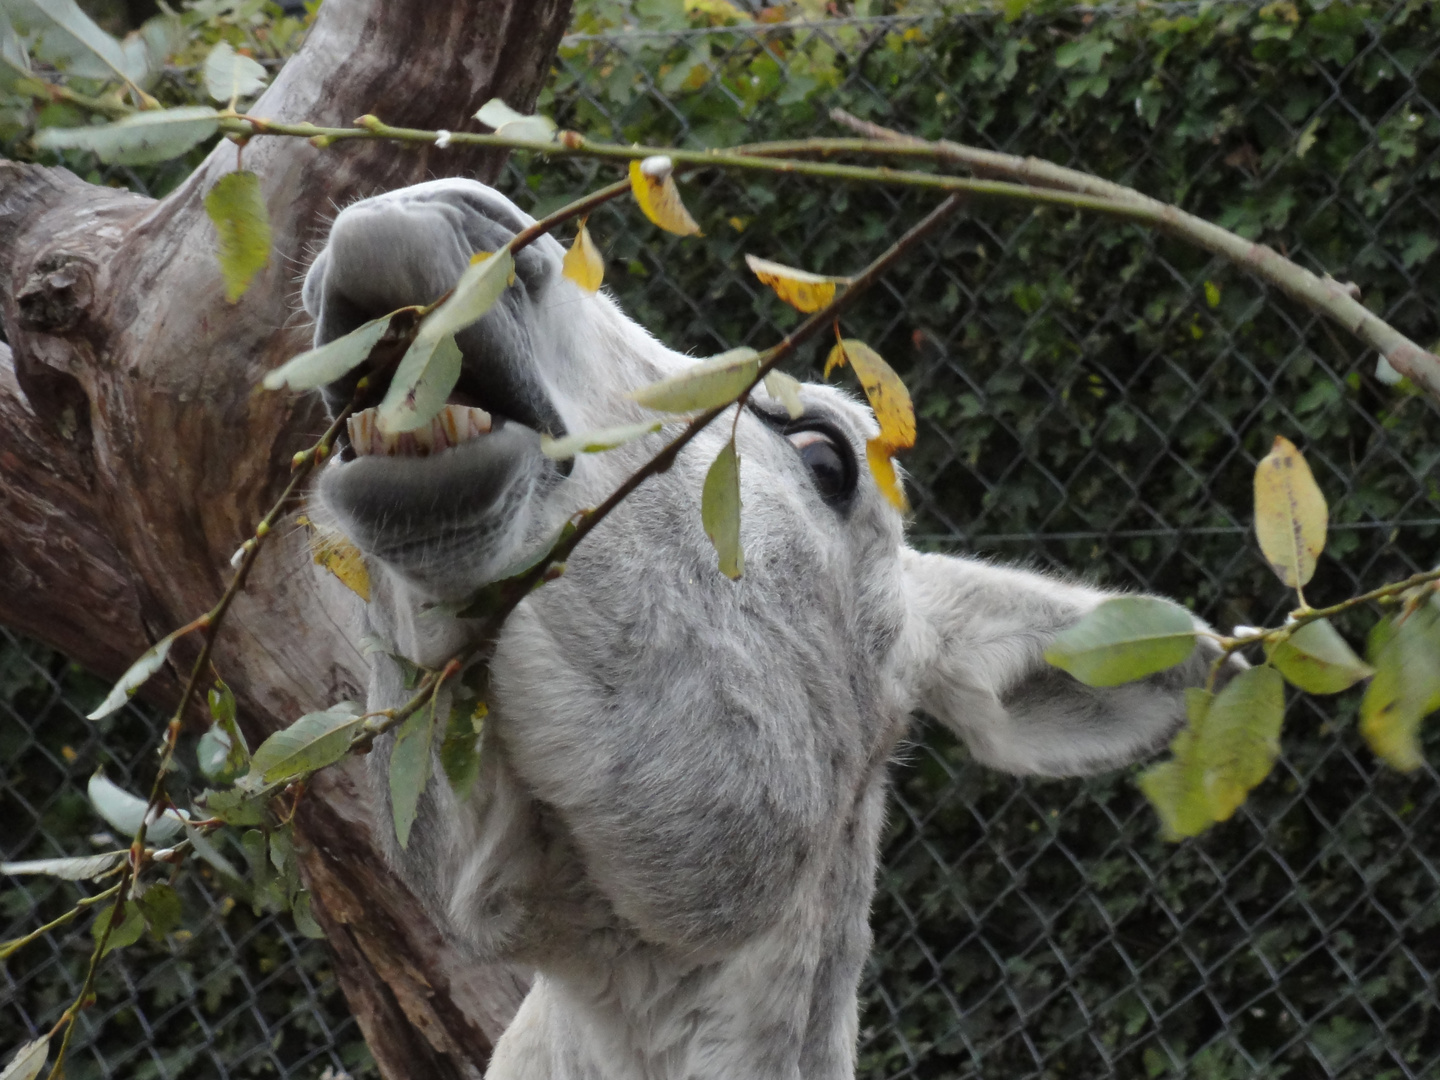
(684, 777)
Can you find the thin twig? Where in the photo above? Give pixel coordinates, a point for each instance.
(11, 947)
(1325, 296)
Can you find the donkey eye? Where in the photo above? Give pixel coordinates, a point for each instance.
(830, 463)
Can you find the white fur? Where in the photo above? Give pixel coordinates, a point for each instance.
(684, 777)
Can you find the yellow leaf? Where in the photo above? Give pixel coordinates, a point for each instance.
(1290, 513)
(652, 182)
(583, 264)
(343, 559)
(885, 390)
(800, 289)
(883, 469)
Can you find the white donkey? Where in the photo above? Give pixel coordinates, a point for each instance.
(684, 777)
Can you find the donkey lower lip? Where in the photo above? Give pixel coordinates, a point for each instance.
(395, 506)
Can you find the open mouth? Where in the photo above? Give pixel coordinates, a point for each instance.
(453, 425)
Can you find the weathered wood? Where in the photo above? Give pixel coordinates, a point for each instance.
(135, 456)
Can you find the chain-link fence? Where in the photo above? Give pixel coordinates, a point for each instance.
(1092, 398)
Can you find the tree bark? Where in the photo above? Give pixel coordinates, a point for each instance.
(135, 456)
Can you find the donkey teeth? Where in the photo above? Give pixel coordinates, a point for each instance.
(453, 425)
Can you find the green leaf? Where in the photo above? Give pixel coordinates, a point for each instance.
(709, 383)
(304, 918)
(125, 811)
(786, 390)
(151, 660)
(318, 367)
(211, 855)
(1124, 639)
(229, 75)
(28, 1060)
(427, 373)
(1290, 513)
(80, 868)
(146, 138)
(237, 210)
(221, 753)
(127, 931)
(1228, 747)
(410, 768)
(283, 862)
(1316, 659)
(264, 891)
(1406, 687)
(71, 40)
(160, 906)
(720, 510)
(460, 748)
(480, 286)
(515, 125)
(234, 806)
(594, 442)
(315, 740)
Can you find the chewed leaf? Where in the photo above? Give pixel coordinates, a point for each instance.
(125, 811)
(480, 286)
(237, 210)
(583, 264)
(151, 661)
(81, 868)
(410, 770)
(800, 289)
(885, 390)
(1290, 513)
(882, 468)
(230, 75)
(1124, 639)
(1316, 659)
(720, 510)
(1406, 687)
(594, 442)
(343, 559)
(331, 360)
(427, 373)
(145, 138)
(652, 182)
(511, 124)
(1228, 747)
(716, 381)
(315, 740)
(786, 390)
(28, 1060)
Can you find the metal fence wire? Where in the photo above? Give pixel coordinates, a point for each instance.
(1092, 398)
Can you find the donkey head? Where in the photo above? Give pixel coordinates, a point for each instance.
(683, 775)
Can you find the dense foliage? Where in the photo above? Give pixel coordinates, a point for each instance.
(1091, 396)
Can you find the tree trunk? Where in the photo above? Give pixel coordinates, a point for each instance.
(135, 456)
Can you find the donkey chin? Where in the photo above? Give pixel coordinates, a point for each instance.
(683, 777)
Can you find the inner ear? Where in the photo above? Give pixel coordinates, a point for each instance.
(976, 641)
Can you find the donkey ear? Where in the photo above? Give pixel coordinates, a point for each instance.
(975, 642)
